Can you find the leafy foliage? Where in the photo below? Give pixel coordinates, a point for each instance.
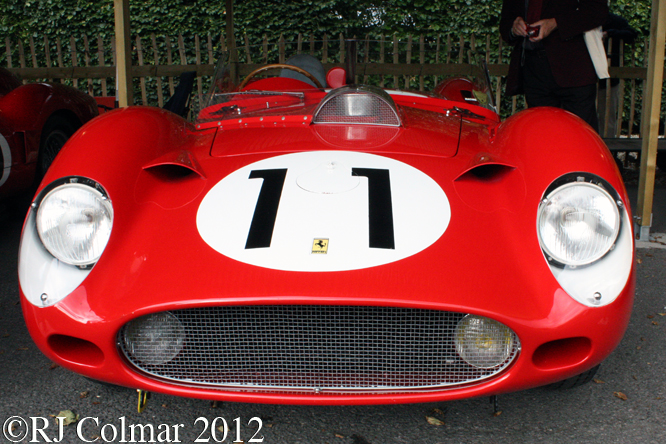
(22, 18)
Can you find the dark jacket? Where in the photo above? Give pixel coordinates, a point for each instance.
(565, 47)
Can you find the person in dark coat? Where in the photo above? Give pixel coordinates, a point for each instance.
(552, 65)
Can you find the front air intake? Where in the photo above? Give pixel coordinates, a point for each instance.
(317, 349)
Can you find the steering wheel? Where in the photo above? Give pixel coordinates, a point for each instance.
(247, 79)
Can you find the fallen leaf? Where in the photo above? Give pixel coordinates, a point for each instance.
(639, 260)
(650, 316)
(69, 417)
(53, 366)
(655, 323)
(337, 435)
(598, 381)
(83, 395)
(434, 421)
(661, 314)
(497, 413)
(23, 348)
(620, 395)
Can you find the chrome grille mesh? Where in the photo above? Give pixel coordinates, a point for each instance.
(306, 347)
(363, 105)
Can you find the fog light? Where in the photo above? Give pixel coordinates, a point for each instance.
(154, 339)
(483, 342)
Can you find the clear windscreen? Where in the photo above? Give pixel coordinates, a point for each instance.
(264, 79)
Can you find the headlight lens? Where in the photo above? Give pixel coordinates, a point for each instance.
(74, 223)
(154, 339)
(578, 223)
(484, 342)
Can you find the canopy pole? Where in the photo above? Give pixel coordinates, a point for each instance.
(650, 120)
(230, 23)
(124, 90)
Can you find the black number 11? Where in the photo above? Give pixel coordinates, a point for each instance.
(380, 207)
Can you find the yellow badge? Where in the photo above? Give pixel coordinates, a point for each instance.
(320, 246)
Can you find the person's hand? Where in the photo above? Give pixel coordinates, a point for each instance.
(519, 28)
(546, 26)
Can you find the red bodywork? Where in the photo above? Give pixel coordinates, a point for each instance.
(487, 262)
(25, 110)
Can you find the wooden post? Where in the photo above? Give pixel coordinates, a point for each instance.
(124, 93)
(60, 63)
(156, 58)
(86, 54)
(231, 40)
(75, 62)
(172, 86)
(101, 62)
(47, 53)
(650, 120)
(8, 46)
(142, 79)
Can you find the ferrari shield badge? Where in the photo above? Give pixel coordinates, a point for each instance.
(320, 246)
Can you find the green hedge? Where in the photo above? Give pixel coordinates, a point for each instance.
(21, 19)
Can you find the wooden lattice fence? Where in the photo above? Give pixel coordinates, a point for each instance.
(416, 62)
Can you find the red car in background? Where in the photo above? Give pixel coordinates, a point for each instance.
(36, 119)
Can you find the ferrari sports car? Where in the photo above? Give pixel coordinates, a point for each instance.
(35, 122)
(309, 239)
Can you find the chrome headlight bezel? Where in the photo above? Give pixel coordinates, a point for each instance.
(95, 216)
(607, 201)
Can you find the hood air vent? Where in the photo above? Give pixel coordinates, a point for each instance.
(357, 105)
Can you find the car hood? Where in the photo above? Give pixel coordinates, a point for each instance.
(463, 227)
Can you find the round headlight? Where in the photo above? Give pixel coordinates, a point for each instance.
(483, 342)
(154, 339)
(578, 223)
(74, 223)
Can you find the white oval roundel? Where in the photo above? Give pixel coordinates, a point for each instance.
(323, 211)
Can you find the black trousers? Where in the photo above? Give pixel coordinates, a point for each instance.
(541, 89)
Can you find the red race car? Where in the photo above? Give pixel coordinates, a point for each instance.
(310, 240)
(35, 122)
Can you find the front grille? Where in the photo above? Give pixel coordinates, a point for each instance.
(302, 347)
